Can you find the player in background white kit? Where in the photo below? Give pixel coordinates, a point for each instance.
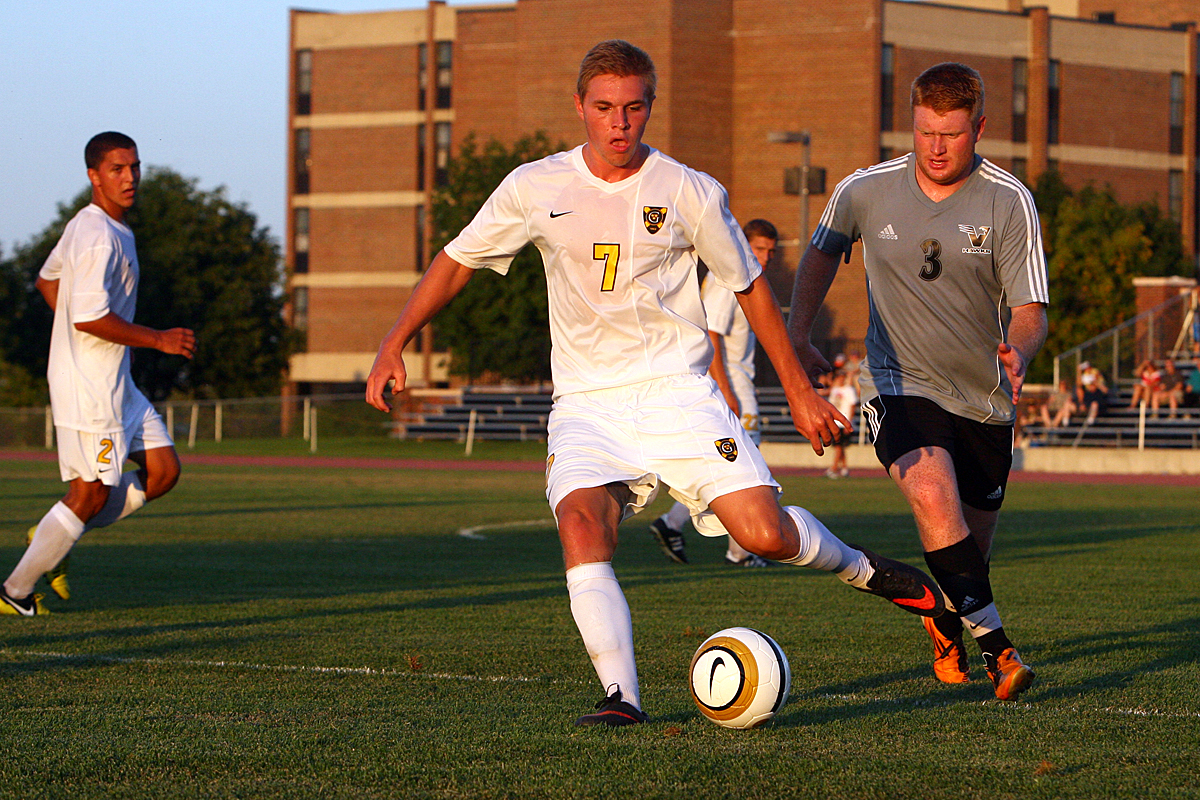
(732, 368)
(100, 417)
(620, 226)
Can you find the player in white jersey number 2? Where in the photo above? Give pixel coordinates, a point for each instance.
(732, 367)
(100, 417)
(620, 226)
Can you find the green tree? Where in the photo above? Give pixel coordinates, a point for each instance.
(497, 325)
(205, 265)
(1095, 247)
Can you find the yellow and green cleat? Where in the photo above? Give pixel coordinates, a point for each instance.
(56, 577)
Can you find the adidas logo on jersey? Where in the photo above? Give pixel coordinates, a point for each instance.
(887, 233)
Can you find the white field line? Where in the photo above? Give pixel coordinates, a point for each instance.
(474, 532)
(1131, 712)
(246, 665)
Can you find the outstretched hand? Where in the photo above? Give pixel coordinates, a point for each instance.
(1014, 366)
(177, 342)
(818, 420)
(388, 366)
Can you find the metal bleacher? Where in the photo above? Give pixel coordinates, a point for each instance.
(1121, 426)
(519, 416)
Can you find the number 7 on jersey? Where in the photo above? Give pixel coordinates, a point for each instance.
(609, 254)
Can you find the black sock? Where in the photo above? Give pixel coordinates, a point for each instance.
(963, 575)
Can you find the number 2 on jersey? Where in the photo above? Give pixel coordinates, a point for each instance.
(609, 254)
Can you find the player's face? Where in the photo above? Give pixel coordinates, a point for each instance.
(115, 181)
(614, 111)
(763, 249)
(944, 145)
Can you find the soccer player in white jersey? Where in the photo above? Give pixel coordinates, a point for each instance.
(100, 417)
(620, 226)
(732, 367)
(957, 286)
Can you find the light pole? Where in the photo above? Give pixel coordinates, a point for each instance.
(804, 138)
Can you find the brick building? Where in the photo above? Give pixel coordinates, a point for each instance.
(1103, 91)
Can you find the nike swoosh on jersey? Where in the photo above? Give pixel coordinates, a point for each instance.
(554, 215)
(924, 603)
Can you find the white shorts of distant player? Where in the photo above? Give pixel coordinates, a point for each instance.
(101, 456)
(676, 430)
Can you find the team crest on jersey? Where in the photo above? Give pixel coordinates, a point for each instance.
(654, 217)
(977, 236)
(727, 448)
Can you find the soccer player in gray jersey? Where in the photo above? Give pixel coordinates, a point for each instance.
(956, 280)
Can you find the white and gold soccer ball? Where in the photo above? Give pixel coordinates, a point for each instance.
(740, 678)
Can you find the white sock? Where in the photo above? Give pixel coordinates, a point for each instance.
(123, 499)
(602, 616)
(56, 534)
(985, 620)
(820, 549)
(735, 552)
(677, 517)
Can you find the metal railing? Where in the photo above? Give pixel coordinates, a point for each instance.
(1153, 334)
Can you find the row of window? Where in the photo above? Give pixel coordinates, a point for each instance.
(1020, 100)
(443, 72)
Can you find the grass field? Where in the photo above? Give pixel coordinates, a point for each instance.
(305, 632)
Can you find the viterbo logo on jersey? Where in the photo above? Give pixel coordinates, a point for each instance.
(887, 233)
(977, 236)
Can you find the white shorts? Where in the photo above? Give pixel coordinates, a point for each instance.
(678, 430)
(101, 456)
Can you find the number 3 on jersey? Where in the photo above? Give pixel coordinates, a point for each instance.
(932, 268)
(609, 254)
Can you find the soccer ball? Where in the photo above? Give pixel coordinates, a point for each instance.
(740, 678)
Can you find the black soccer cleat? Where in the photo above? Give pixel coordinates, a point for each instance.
(670, 540)
(904, 586)
(613, 712)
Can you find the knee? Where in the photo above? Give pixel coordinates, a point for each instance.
(767, 536)
(86, 500)
(161, 478)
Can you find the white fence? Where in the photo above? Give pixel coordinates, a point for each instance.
(307, 418)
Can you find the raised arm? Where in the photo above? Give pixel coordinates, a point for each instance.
(444, 279)
(812, 415)
(814, 276)
(115, 329)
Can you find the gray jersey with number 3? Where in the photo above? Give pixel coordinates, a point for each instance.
(941, 280)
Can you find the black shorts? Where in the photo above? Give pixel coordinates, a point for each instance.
(982, 454)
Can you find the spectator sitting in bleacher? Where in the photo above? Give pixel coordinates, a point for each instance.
(1191, 387)
(1149, 382)
(1092, 391)
(1170, 389)
(1057, 410)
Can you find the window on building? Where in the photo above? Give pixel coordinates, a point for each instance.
(886, 154)
(304, 62)
(1020, 170)
(422, 74)
(300, 240)
(887, 92)
(1020, 98)
(300, 317)
(420, 158)
(1175, 194)
(441, 163)
(445, 52)
(1054, 91)
(303, 160)
(1105, 17)
(1176, 136)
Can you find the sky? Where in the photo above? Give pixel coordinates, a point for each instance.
(201, 87)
